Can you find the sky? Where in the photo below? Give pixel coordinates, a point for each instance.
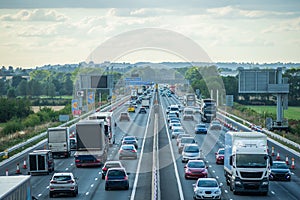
(37, 33)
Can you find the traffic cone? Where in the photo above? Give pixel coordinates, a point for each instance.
(293, 163)
(273, 151)
(18, 171)
(278, 156)
(287, 159)
(6, 172)
(24, 164)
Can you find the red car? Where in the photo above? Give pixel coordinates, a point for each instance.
(195, 169)
(220, 156)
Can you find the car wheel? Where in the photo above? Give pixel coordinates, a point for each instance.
(103, 176)
(106, 188)
(127, 187)
(120, 158)
(74, 194)
(135, 157)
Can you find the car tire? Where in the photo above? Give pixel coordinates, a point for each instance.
(50, 194)
(103, 176)
(120, 157)
(106, 188)
(74, 194)
(127, 187)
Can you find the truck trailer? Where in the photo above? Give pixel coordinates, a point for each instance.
(246, 162)
(59, 141)
(92, 143)
(15, 187)
(41, 161)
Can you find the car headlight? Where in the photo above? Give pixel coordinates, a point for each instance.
(218, 191)
(265, 183)
(199, 191)
(238, 183)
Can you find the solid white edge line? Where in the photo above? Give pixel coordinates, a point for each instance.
(174, 161)
(140, 160)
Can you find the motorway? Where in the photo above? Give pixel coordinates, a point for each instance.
(170, 176)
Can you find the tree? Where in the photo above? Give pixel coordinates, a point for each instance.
(22, 88)
(11, 93)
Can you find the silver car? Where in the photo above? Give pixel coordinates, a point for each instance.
(190, 152)
(177, 131)
(207, 188)
(63, 183)
(184, 141)
(127, 151)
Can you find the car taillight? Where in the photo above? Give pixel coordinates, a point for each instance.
(106, 178)
(133, 150)
(77, 160)
(53, 181)
(126, 178)
(70, 181)
(120, 151)
(104, 169)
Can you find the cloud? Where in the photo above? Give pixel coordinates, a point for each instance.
(290, 25)
(35, 15)
(235, 12)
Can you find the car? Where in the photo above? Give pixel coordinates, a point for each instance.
(73, 143)
(127, 151)
(207, 188)
(220, 156)
(200, 128)
(131, 108)
(130, 140)
(175, 124)
(280, 171)
(124, 116)
(142, 110)
(190, 152)
(215, 125)
(184, 141)
(172, 121)
(195, 169)
(171, 115)
(188, 114)
(63, 183)
(177, 131)
(110, 164)
(178, 139)
(168, 110)
(116, 178)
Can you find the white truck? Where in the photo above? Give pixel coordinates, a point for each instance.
(246, 162)
(15, 187)
(59, 141)
(92, 143)
(146, 103)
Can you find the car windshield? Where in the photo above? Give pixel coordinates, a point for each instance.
(279, 166)
(116, 173)
(221, 151)
(62, 178)
(207, 183)
(187, 140)
(127, 147)
(196, 165)
(191, 149)
(201, 126)
(129, 138)
(178, 130)
(110, 165)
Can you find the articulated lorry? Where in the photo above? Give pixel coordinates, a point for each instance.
(92, 143)
(59, 141)
(246, 162)
(15, 187)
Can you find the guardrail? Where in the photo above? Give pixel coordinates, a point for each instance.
(232, 117)
(108, 106)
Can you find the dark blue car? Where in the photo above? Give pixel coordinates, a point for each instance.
(200, 128)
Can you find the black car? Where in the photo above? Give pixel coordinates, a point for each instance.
(116, 178)
(280, 171)
(142, 110)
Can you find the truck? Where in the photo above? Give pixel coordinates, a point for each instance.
(109, 124)
(40, 162)
(92, 143)
(15, 187)
(59, 141)
(190, 100)
(208, 110)
(146, 103)
(246, 162)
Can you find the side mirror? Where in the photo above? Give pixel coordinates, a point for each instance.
(128, 173)
(216, 153)
(185, 166)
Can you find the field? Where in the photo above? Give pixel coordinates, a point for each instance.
(290, 113)
(55, 108)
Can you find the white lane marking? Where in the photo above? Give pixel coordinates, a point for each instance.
(96, 179)
(67, 169)
(39, 195)
(72, 164)
(140, 161)
(226, 191)
(272, 192)
(87, 193)
(92, 185)
(213, 171)
(99, 172)
(217, 177)
(221, 184)
(210, 166)
(47, 187)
